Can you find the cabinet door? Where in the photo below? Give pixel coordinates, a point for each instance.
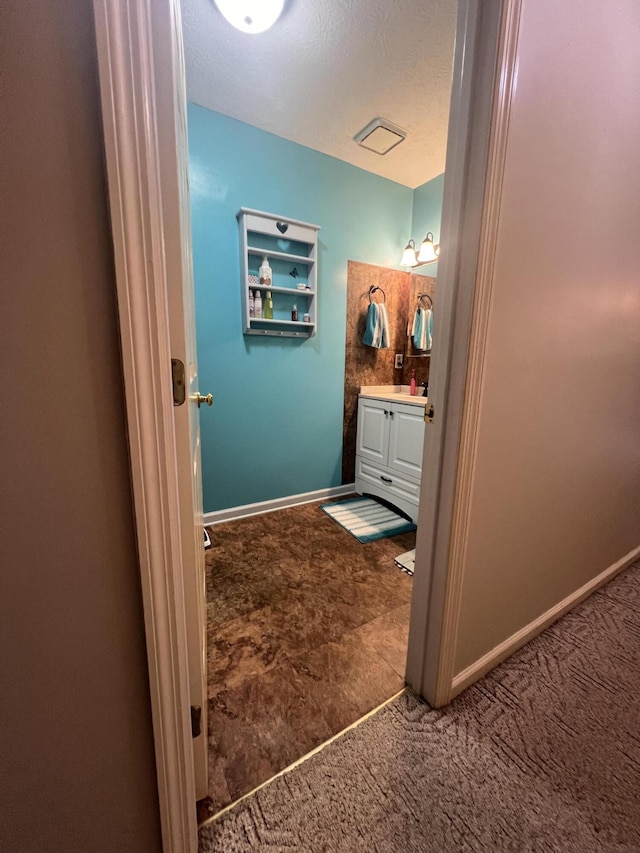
(406, 439)
(373, 430)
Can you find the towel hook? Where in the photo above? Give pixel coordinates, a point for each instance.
(373, 289)
(426, 296)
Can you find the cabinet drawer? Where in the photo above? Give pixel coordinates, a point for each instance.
(390, 481)
(262, 225)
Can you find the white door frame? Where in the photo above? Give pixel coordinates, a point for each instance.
(131, 112)
(480, 96)
(132, 37)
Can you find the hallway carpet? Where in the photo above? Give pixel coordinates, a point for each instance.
(543, 754)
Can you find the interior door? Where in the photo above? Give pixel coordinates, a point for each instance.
(191, 524)
(172, 130)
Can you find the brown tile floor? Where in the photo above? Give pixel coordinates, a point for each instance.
(307, 632)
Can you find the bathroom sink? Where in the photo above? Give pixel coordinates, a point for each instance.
(397, 393)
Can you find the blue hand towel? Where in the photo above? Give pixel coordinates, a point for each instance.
(417, 328)
(370, 332)
(422, 329)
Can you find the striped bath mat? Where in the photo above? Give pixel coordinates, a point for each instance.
(366, 519)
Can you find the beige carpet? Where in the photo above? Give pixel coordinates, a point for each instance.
(541, 755)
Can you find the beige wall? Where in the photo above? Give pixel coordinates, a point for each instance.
(77, 754)
(556, 493)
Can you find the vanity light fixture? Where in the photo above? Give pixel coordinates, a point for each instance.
(409, 256)
(251, 16)
(429, 252)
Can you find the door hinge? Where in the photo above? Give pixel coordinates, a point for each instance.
(196, 720)
(429, 413)
(177, 379)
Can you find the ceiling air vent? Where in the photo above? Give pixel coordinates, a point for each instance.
(380, 136)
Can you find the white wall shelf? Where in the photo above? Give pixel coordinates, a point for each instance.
(283, 256)
(290, 290)
(256, 320)
(287, 243)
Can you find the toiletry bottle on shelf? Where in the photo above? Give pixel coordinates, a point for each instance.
(252, 304)
(268, 306)
(265, 273)
(294, 313)
(257, 306)
(412, 386)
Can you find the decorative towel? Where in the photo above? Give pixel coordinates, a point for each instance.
(415, 327)
(384, 326)
(372, 324)
(422, 329)
(428, 328)
(376, 333)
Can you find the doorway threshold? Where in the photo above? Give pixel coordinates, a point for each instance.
(213, 818)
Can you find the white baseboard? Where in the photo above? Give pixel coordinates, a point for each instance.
(246, 510)
(509, 646)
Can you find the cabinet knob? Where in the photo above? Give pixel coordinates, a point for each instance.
(386, 479)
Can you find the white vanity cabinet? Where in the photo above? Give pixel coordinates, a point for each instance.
(389, 441)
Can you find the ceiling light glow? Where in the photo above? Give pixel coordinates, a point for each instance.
(251, 16)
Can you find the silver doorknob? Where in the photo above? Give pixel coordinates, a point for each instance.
(200, 399)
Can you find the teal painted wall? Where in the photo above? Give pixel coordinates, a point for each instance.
(276, 425)
(427, 214)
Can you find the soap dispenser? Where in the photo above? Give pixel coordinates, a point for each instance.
(412, 386)
(265, 273)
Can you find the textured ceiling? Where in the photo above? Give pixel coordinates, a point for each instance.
(326, 69)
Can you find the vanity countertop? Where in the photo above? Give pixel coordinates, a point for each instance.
(397, 393)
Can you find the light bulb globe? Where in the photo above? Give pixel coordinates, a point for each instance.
(251, 16)
(427, 250)
(409, 255)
